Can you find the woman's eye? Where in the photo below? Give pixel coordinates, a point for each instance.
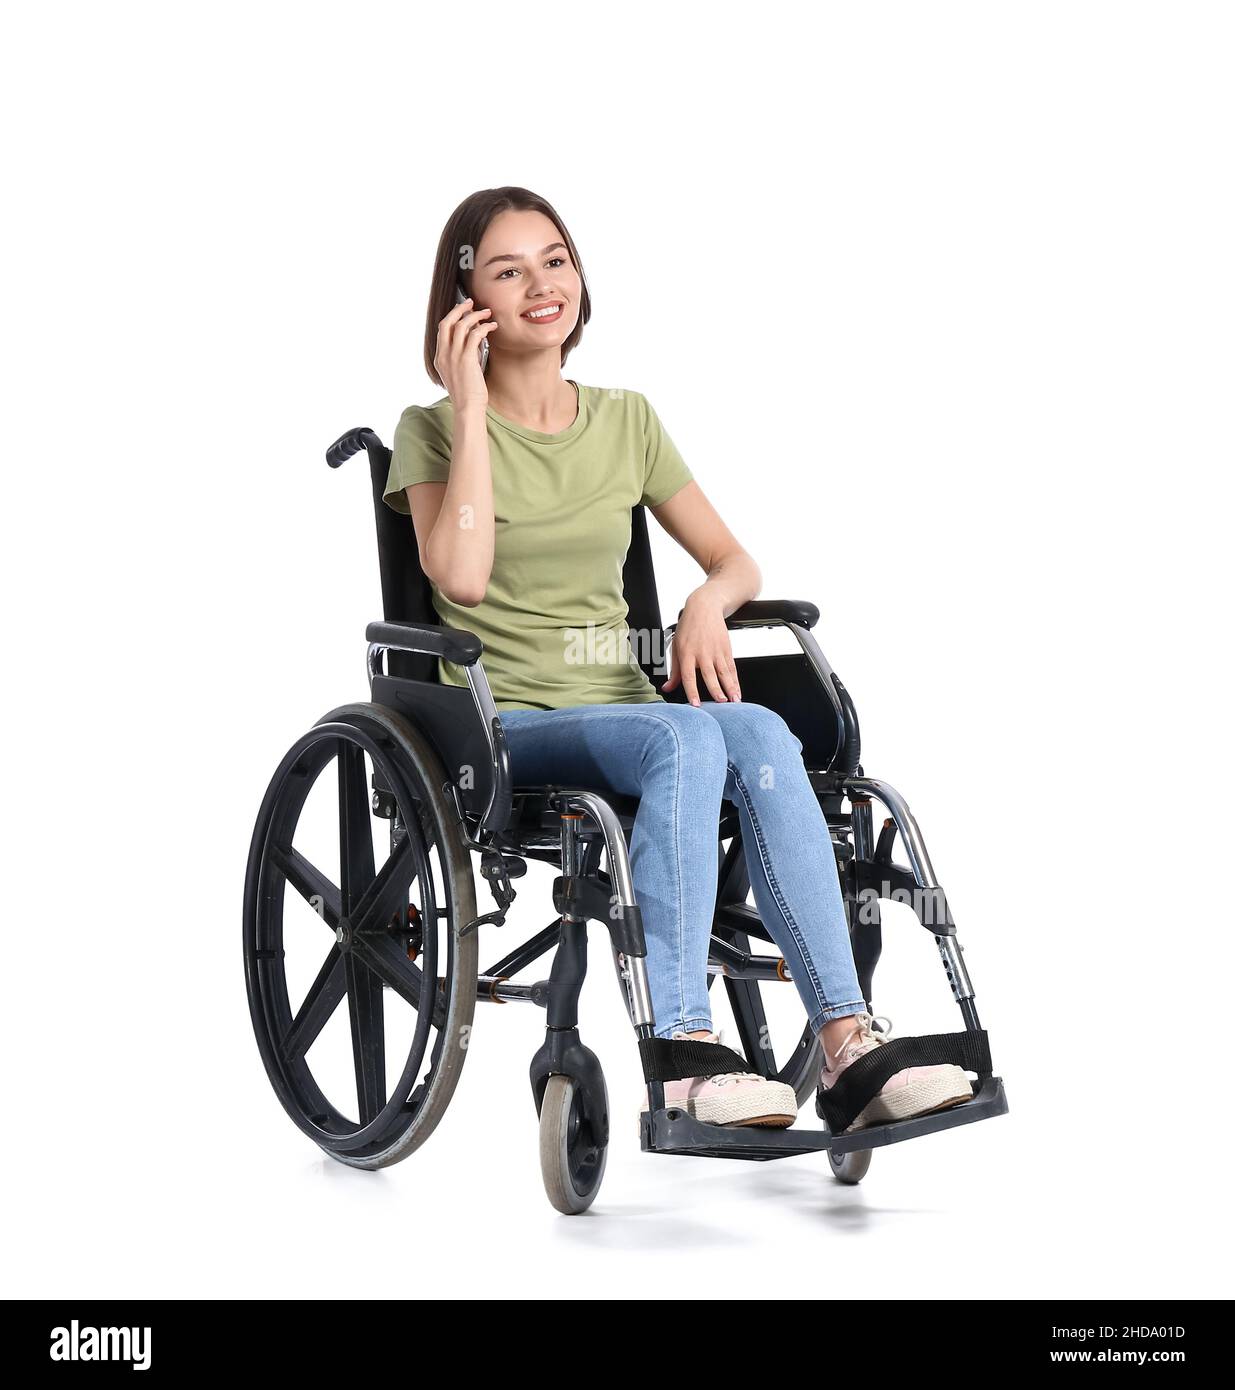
(555, 261)
(510, 270)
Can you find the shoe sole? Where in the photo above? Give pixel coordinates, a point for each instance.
(763, 1122)
(735, 1114)
(918, 1098)
(739, 1113)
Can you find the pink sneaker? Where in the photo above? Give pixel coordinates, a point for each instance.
(914, 1091)
(733, 1098)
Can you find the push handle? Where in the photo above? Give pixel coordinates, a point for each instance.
(351, 443)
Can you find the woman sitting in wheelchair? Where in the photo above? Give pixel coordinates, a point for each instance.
(520, 485)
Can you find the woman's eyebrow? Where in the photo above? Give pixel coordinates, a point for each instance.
(553, 246)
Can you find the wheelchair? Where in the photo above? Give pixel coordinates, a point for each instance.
(401, 938)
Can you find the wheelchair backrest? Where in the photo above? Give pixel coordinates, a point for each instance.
(407, 595)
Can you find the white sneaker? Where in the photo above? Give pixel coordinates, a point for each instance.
(732, 1098)
(914, 1091)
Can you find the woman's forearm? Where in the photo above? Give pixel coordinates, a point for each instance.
(460, 547)
(731, 582)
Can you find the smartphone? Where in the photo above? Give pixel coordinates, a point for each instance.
(460, 297)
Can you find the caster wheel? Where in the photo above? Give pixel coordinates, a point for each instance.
(571, 1163)
(850, 1168)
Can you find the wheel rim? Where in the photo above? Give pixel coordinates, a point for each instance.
(365, 917)
(583, 1155)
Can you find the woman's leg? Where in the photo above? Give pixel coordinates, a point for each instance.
(673, 758)
(790, 859)
(793, 875)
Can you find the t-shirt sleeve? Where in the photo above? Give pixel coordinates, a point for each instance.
(665, 472)
(421, 454)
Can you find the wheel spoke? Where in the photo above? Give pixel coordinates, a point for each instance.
(320, 1002)
(364, 999)
(355, 836)
(386, 895)
(309, 881)
(384, 958)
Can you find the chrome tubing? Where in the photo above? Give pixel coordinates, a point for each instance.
(615, 840)
(495, 989)
(641, 1014)
(819, 664)
(923, 871)
(915, 846)
(958, 977)
(623, 890)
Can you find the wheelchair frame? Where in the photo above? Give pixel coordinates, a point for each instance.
(441, 776)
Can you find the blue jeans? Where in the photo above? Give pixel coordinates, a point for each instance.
(680, 760)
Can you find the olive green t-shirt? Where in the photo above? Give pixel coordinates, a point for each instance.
(553, 619)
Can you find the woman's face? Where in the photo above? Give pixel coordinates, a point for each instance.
(524, 274)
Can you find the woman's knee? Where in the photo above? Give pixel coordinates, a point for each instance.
(687, 738)
(751, 729)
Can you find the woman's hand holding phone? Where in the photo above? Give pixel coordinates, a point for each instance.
(457, 359)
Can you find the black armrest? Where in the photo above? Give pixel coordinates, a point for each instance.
(763, 612)
(450, 643)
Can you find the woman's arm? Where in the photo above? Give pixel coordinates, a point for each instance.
(701, 640)
(454, 520)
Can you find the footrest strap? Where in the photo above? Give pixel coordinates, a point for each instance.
(675, 1059)
(861, 1081)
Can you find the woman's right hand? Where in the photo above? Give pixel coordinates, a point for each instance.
(457, 359)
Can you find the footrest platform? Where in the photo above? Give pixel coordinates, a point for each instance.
(672, 1131)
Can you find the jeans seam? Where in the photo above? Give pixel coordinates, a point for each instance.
(774, 884)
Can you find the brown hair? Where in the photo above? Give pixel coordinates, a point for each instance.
(461, 235)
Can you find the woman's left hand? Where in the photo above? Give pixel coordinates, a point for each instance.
(701, 644)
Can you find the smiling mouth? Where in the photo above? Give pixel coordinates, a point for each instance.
(546, 313)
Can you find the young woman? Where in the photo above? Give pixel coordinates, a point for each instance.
(520, 484)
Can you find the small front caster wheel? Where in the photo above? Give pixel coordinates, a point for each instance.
(852, 1167)
(571, 1162)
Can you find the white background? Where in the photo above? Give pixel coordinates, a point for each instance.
(936, 301)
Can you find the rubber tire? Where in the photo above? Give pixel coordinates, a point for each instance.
(852, 1167)
(560, 1186)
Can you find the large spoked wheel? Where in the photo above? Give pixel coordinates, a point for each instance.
(572, 1162)
(363, 960)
